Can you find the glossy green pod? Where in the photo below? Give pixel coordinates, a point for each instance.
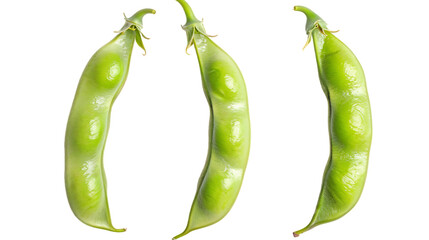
(88, 124)
(229, 130)
(350, 128)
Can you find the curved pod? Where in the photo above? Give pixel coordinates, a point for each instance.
(350, 128)
(88, 125)
(229, 132)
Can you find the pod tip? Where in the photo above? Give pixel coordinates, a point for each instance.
(180, 235)
(295, 234)
(116, 229)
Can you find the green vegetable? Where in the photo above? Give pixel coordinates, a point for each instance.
(229, 133)
(343, 81)
(88, 124)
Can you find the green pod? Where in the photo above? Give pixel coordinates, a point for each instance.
(88, 124)
(229, 131)
(350, 128)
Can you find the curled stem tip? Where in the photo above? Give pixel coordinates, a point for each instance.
(138, 16)
(135, 21)
(314, 21)
(312, 18)
(308, 12)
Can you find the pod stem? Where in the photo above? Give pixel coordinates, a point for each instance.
(135, 23)
(313, 22)
(312, 18)
(190, 17)
(192, 25)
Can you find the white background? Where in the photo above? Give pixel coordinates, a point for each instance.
(159, 128)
